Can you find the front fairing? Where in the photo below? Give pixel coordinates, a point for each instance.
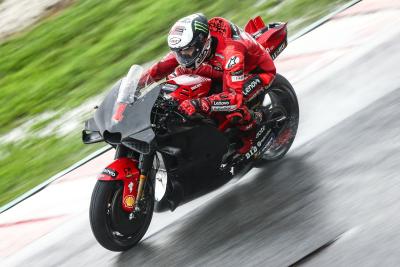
(124, 115)
(136, 117)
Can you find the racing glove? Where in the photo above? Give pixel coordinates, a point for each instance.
(190, 107)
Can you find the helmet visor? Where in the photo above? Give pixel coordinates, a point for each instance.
(187, 56)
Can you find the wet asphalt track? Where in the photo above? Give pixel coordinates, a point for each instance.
(333, 201)
(342, 185)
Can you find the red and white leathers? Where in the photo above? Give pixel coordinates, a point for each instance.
(236, 59)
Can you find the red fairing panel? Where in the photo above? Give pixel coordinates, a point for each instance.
(190, 87)
(125, 170)
(254, 25)
(274, 40)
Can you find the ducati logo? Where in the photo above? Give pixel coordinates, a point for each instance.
(196, 86)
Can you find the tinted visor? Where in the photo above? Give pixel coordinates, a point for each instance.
(187, 56)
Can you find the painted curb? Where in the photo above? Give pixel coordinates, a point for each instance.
(43, 185)
(103, 150)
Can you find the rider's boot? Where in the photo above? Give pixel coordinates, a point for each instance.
(247, 142)
(260, 117)
(247, 134)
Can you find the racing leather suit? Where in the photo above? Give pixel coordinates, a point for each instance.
(242, 65)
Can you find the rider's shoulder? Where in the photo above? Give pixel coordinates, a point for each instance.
(220, 26)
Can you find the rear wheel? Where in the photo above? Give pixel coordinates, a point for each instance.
(281, 101)
(114, 228)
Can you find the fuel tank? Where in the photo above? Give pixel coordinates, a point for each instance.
(187, 86)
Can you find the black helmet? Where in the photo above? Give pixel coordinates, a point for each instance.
(190, 39)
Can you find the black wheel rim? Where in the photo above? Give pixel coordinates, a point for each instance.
(283, 131)
(120, 226)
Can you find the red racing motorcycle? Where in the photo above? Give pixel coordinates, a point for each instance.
(161, 154)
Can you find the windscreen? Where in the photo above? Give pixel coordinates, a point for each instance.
(136, 84)
(127, 108)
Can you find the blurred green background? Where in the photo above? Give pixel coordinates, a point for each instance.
(76, 53)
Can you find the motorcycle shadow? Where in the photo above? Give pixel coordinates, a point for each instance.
(198, 186)
(282, 201)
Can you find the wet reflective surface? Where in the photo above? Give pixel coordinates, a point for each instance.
(338, 187)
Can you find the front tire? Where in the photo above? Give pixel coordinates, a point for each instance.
(111, 225)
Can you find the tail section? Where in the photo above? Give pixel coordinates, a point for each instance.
(273, 37)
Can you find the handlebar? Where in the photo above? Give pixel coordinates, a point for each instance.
(194, 117)
(172, 106)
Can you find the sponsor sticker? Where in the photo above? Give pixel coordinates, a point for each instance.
(178, 30)
(259, 143)
(237, 73)
(223, 108)
(129, 201)
(251, 86)
(130, 187)
(196, 86)
(175, 40)
(201, 26)
(259, 133)
(110, 172)
(221, 103)
(278, 50)
(238, 78)
(232, 62)
(251, 152)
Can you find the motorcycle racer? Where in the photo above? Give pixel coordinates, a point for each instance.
(220, 50)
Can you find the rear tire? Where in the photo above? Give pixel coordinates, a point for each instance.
(282, 95)
(110, 224)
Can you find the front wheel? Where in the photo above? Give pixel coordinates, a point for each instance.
(114, 228)
(281, 100)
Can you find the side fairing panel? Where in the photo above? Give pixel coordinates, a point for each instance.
(190, 86)
(202, 150)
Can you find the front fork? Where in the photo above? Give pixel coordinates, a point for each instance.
(144, 165)
(133, 171)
